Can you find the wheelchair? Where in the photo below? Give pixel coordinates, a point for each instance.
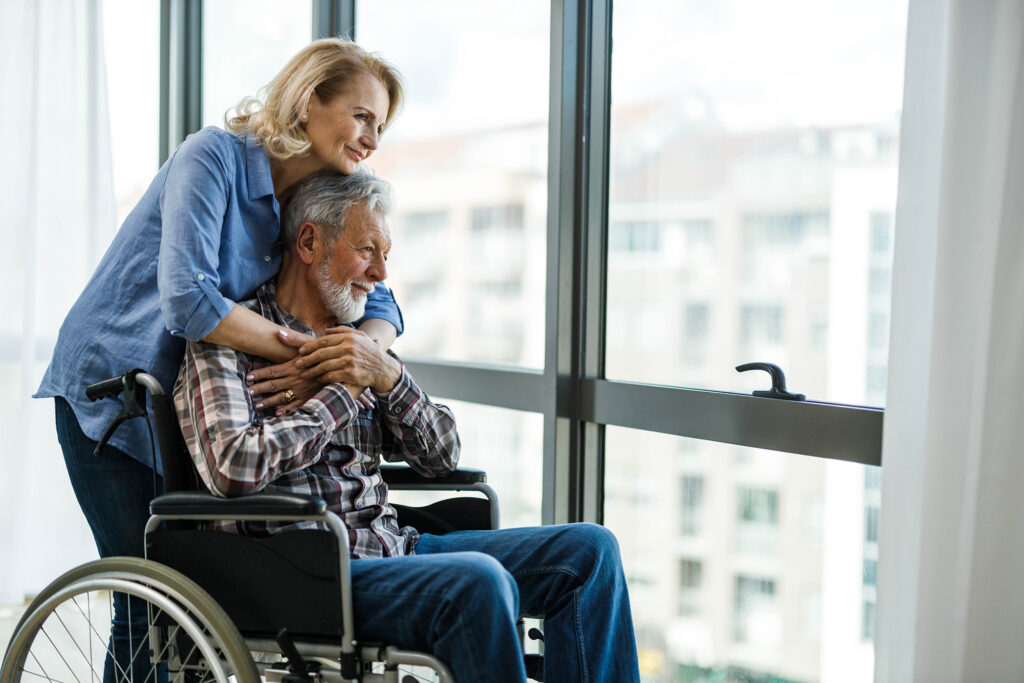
(227, 607)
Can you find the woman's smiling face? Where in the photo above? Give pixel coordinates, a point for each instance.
(346, 130)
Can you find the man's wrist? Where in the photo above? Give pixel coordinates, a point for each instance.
(392, 375)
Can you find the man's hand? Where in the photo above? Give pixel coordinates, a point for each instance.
(350, 357)
(283, 387)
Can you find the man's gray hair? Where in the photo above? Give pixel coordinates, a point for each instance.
(325, 199)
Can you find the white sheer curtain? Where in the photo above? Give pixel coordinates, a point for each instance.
(57, 215)
(950, 595)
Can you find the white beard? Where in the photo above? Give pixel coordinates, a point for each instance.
(346, 306)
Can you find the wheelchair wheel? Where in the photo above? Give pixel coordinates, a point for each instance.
(64, 635)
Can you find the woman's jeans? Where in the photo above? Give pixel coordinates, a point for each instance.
(460, 595)
(114, 491)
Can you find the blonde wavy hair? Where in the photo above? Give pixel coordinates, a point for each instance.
(325, 67)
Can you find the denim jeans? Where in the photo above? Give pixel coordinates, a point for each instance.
(113, 491)
(460, 595)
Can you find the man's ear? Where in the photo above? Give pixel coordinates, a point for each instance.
(309, 243)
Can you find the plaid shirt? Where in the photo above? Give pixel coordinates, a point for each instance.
(327, 447)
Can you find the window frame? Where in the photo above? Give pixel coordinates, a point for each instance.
(571, 392)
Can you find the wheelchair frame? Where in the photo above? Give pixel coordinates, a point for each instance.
(191, 505)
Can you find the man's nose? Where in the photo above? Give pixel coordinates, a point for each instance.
(378, 269)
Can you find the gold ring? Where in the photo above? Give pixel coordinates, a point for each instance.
(290, 394)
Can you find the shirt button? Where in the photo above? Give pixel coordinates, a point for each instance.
(201, 276)
(396, 410)
(267, 259)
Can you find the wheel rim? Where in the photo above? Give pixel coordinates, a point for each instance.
(64, 634)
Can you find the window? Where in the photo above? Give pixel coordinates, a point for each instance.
(689, 586)
(245, 44)
(471, 143)
(692, 493)
(870, 572)
(881, 225)
(758, 506)
(867, 629)
(777, 157)
(756, 520)
(871, 524)
(638, 237)
(755, 614)
(743, 184)
(697, 328)
(760, 325)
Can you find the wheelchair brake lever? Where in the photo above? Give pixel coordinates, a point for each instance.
(111, 428)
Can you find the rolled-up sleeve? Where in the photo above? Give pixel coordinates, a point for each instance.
(381, 305)
(192, 207)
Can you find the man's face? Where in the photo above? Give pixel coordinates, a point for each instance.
(356, 262)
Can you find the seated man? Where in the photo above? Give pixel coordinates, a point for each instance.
(457, 595)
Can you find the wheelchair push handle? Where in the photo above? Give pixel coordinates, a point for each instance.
(133, 385)
(109, 388)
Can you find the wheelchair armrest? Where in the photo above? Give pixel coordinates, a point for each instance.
(402, 476)
(205, 503)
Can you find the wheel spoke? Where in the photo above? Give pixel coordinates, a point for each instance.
(74, 640)
(57, 650)
(41, 668)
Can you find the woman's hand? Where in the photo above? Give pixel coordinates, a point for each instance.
(280, 386)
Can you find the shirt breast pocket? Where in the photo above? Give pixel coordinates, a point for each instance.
(366, 432)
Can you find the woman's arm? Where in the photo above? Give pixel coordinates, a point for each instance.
(249, 332)
(380, 331)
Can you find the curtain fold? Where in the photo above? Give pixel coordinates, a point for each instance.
(951, 557)
(57, 216)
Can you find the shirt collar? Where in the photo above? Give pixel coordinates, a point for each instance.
(257, 168)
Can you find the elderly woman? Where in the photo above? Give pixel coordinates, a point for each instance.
(203, 236)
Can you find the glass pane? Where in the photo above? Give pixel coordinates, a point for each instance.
(131, 35)
(468, 160)
(507, 444)
(245, 44)
(753, 170)
(731, 574)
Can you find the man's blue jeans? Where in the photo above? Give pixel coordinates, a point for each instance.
(460, 595)
(114, 491)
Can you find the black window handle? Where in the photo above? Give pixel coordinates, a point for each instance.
(778, 389)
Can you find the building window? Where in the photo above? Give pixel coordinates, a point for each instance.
(784, 229)
(880, 225)
(634, 237)
(505, 217)
(867, 627)
(758, 506)
(760, 324)
(754, 610)
(697, 327)
(689, 586)
(871, 524)
(873, 478)
(424, 225)
(692, 494)
(870, 572)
